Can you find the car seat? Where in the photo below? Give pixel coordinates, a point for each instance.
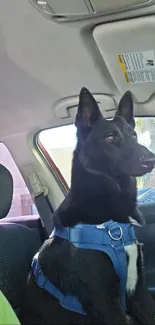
(18, 244)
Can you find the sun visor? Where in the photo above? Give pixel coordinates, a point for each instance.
(67, 108)
(128, 50)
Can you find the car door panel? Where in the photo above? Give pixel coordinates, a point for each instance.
(146, 235)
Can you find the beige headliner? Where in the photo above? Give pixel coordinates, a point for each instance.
(40, 63)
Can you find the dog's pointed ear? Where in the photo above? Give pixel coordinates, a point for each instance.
(88, 110)
(125, 108)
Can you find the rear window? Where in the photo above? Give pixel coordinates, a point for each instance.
(60, 142)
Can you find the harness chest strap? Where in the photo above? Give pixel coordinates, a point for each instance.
(110, 238)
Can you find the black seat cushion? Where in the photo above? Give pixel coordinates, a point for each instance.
(18, 244)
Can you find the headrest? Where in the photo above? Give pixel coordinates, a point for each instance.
(6, 191)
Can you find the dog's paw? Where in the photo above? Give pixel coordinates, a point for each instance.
(131, 321)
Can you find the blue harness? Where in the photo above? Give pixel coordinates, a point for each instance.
(110, 238)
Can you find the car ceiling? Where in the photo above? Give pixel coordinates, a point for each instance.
(42, 62)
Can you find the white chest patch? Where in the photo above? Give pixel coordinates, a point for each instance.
(132, 272)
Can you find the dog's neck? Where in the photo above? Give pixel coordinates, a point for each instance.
(97, 198)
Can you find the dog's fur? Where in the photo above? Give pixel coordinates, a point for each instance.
(106, 160)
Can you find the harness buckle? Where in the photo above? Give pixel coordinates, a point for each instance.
(116, 238)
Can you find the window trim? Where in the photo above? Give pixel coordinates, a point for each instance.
(50, 163)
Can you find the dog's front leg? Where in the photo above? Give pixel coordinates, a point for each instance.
(100, 295)
(141, 305)
(105, 311)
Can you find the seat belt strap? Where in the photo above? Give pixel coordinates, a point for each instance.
(40, 199)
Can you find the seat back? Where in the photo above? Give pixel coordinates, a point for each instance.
(18, 245)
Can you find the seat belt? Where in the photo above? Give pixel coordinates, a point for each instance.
(45, 211)
(40, 199)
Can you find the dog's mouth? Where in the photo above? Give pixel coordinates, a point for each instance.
(147, 164)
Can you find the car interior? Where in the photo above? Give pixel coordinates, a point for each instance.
(49, 50)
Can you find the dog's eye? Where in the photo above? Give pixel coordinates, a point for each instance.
(109, 138)
(134, 136)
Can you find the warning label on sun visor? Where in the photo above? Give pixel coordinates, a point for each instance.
(138, 67)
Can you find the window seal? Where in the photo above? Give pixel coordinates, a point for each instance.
(51, 165)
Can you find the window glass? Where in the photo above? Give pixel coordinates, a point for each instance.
(60, 142)
(22, 203)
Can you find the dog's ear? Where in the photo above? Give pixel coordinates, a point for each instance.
(88, 110)
(125, 108)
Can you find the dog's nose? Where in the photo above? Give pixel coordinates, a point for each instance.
(148, 162)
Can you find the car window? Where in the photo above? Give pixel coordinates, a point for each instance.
(60, 142)
(22, 203)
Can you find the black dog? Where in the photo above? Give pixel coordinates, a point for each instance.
(106, 161)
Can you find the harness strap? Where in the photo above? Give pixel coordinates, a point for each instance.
(115, 234)
(110, 238)
(66, 301)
